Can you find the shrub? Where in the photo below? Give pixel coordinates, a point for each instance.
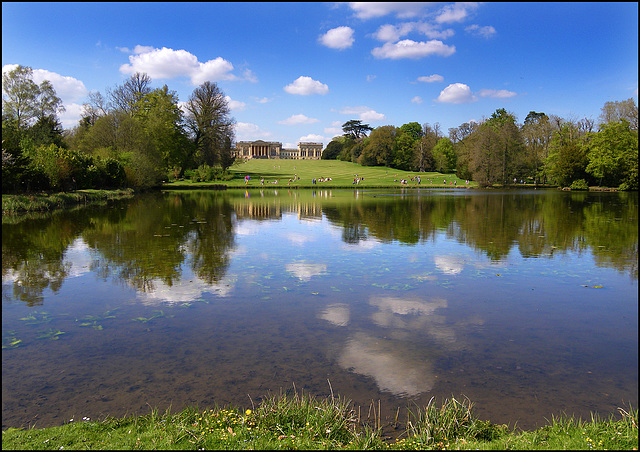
(579, 184)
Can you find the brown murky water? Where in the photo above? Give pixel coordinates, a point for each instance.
(525, 302)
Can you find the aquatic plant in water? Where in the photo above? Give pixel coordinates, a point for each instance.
(92, 320)
(10, 340)
(52, 334)
(159, 314)
(37, 318)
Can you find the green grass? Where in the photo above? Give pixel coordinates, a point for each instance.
(297, 421)
(342, 175)
(41, 202)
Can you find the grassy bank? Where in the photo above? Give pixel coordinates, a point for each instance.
(301, 174)
(302, 422)
(41, 202)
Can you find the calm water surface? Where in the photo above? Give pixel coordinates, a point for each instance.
(524, 301)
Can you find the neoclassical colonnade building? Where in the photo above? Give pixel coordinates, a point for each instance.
(273, 150)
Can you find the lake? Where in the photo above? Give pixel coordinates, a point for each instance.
(524, 301)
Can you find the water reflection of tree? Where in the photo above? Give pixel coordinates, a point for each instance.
(146, 240)
(211, 239)
(149, 238)
(539, 225)
(158, 233)
(33, 253)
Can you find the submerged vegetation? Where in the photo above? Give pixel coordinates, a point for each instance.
(298, 421)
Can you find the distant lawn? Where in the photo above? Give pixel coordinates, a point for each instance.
(342, 175)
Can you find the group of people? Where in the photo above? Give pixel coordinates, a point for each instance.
(321, 179)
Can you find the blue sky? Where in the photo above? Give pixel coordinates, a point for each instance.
(297, 71)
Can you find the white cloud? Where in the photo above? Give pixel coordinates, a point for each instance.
(338, 38)
(71, 115)
(393, 33)
(412, 49)
(305, 86)
(312, 137)
(167, 63)
(68, 89)
(364, 113)
(246, 131)
(333, 131)
(368, 10)
(431, 78)
(477, 30)
(297, 119)
(455, 13)
(250, 76)
(456, 93)
(235, 105)
(499, 94)
(416, 100)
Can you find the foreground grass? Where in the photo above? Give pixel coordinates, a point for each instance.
(302, 422)
(301, 173)
(17, 204)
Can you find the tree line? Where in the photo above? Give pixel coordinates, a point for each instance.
(137, 136)
(133, 136)
(497, 150)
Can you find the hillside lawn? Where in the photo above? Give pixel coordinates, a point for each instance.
(342, 175)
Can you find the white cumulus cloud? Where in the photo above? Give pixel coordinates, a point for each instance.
(456, 93)
(412, 49)
(338, 38)
(431, 78)
(363, 113)
(235, 105)
(477, 30)
(246, 131)
(305, 86)
(455, 13)
(168, 63)
(297, 119)
(313, 138)
(403, 10)
(393, 33)
(499, 93)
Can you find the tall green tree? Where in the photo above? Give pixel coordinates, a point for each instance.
(510, 146)
(24, 101)
(356, 129)
(333, 149)
(612, 155)
(423, 148)
(567, 159)
(163, 125)
(620, 110)
(378, 151)
(209, 121)
(536, 134)
(444, 156)
(126, 97)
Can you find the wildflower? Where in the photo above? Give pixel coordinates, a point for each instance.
(248, 412)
